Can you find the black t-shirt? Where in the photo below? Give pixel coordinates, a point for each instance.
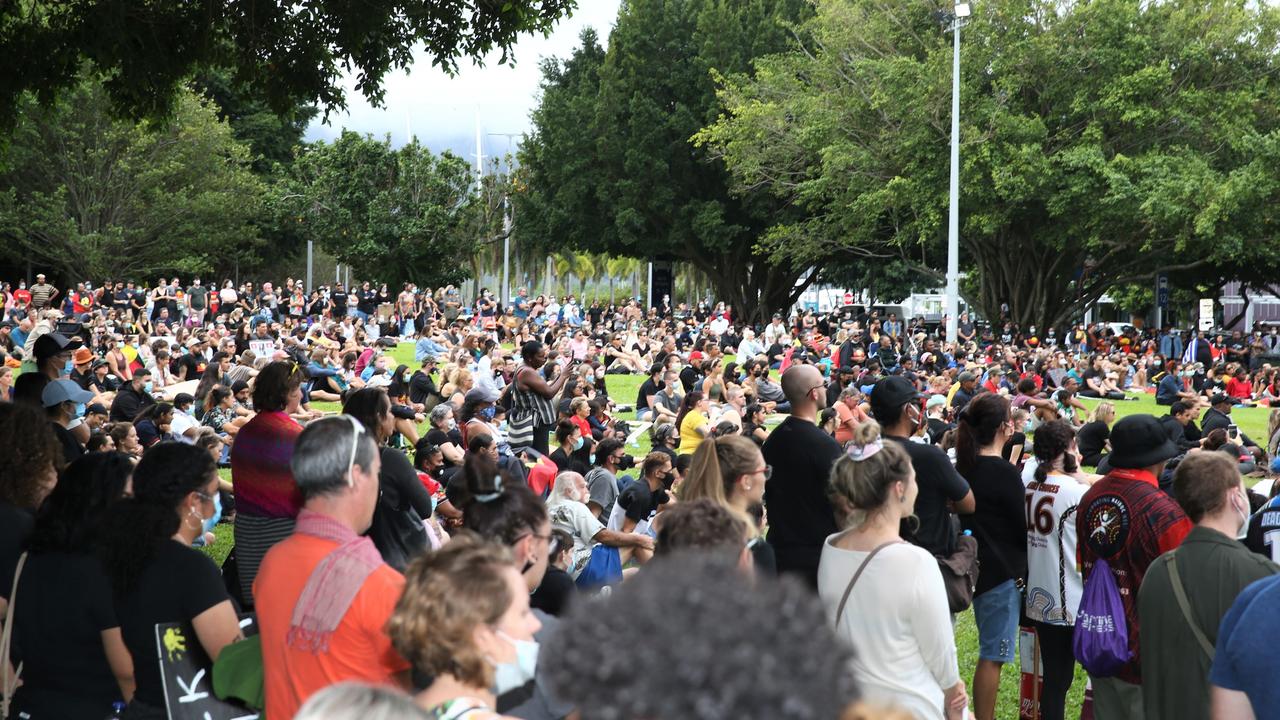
(16, 525)
(1016, 440)
(1091, 438)
(339, 299)
(800, 515)
(403, 502)
(648, 389)
(937, 428)
(999, 522)
(638, 501)
(439, 437)
(553, 595)
(178, 584)
(421, 387)
(938, 483)
(689, 377)
(368, 302)
(64, 604)
(71, 448)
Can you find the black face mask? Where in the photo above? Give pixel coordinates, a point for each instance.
(668, 480)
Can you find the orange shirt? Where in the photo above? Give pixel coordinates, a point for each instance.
(359, 649)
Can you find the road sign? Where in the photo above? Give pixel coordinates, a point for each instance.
(1162, 291)
(1206, 313)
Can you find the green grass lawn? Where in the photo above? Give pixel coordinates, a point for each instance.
(623, 389)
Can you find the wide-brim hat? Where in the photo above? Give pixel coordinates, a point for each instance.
(1139, 441)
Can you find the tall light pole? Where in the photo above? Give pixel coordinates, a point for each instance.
(506, 226)
(952, 310)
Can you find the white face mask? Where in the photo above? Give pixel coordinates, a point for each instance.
(1244, 517)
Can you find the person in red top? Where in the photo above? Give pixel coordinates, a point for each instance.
(1126, 519)
(1239, 388)
(323, 595)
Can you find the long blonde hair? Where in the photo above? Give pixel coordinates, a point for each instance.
(717, 464)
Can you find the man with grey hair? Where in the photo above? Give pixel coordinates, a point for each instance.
(324, 595)
(568, 510)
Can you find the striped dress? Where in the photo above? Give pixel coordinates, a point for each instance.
(529, 410)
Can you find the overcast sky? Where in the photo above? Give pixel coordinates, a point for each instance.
(441, 110)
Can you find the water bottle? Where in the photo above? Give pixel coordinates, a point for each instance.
(117, 710)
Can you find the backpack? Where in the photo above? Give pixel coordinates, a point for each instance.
(1101, 641)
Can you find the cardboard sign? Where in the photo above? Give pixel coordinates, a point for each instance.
(187, 675)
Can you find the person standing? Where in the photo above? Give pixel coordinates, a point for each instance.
(324, 595)
(999, 524)
(42, 293)
(800, 514)
(532, 415)
(1054, 585)
(1180, 621)
(895, 405)
(1127, 520)
(892, 608)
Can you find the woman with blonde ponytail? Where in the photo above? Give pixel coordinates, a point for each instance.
(730, 471)
(884, 595)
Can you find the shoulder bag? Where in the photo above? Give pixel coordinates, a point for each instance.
(1171, 561)
(9, 685)
(845, 598)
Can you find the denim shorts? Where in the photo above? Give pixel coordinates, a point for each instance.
(997, 612)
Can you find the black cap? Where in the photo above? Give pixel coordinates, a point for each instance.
(1139, 441)
(1219, 399)
(890, 394)
(50, 344)
(96, 409)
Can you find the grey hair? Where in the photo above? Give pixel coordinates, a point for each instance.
(439, 412)
(359, 701)
(323, 451)
(560, 490)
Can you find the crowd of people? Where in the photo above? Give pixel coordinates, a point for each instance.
(469, 536)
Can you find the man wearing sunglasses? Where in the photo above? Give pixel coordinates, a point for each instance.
(800, 515)
(324, 595)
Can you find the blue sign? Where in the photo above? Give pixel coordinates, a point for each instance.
(1162, 291)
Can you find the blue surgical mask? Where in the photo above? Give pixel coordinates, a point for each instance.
(68, 367)
(578, 445)
(406, 377)
(147, 386)
(512, 675)
(79, 410)
(212, 522)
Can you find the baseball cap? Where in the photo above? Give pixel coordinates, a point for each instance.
(1219, 399)
(891, 393)
(936, 400)
(96, 409)
(50, 344)
(60, 391)
(480, 393)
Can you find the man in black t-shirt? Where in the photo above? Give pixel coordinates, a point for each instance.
(895, 405)
(638, 501)
(801, 455)
(422, 387)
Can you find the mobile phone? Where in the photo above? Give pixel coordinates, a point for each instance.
(1233, 431)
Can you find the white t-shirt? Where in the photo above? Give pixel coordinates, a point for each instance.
(1053, 574)
(897, 618)
(574, 518)
(182, 422)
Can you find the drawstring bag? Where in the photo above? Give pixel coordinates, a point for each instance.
(1101, 642)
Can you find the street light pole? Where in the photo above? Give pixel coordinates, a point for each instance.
(953, 216)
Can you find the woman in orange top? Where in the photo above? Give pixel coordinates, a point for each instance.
(850, 413)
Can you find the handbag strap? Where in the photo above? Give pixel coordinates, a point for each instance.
(7, 684)
(845, 598)
(1180, 593)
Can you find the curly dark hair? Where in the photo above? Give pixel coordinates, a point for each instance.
(30, 450)
(741, 627)
(134, 528)
(89, 486)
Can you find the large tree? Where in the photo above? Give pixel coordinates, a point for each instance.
(289, 51)
(89, 196)
(1102, 142)
(392, 215)
(610, 167)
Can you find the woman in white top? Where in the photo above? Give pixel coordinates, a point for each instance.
(1054, 584)
(896, 614)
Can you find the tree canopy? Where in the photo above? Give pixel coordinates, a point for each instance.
(609, 166)
(395, 215)
(1102, 142)
(89, 196)
(288, 52)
